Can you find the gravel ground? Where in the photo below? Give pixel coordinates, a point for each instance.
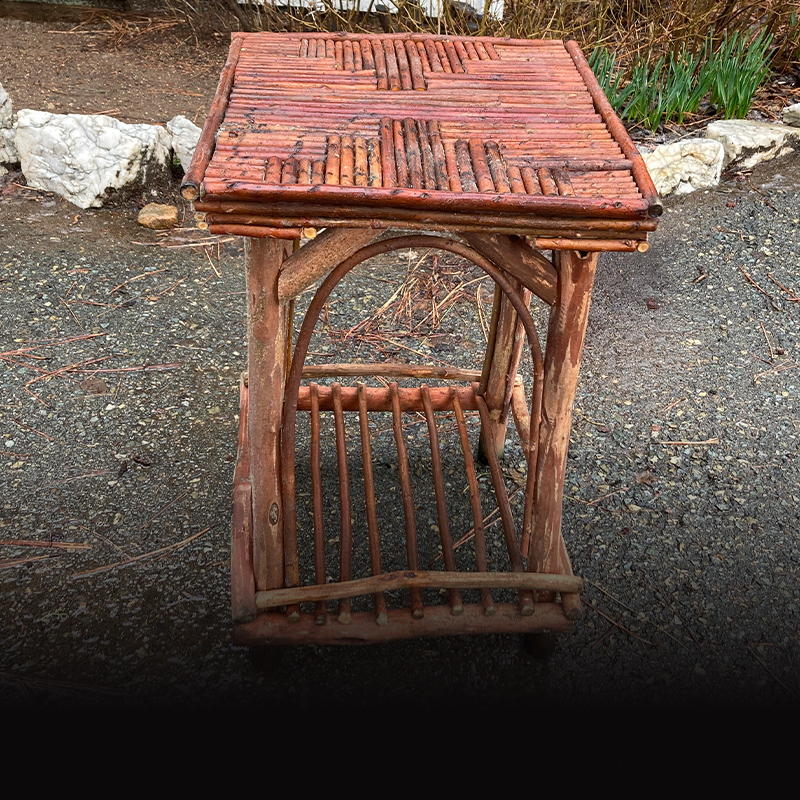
(689, 551)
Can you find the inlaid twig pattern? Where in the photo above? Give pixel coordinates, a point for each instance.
(413, 154)
(436, 117)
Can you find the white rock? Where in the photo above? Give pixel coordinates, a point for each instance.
(6, 115)
(791, 115)
(749, 143)
(184, 139)
(84, 158)
(683, 167)
(8, 152)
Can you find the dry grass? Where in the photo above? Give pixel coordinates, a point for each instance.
(423, 299)
(118, 29)
(412, 316)
(636, 28)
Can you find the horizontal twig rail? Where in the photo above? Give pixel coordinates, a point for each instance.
(391, 370)
(419, 580)
(380, 399)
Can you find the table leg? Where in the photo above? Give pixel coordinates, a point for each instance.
(266, 335)
(531, 273)
(243, 588)
(565, 334)
(505, 351)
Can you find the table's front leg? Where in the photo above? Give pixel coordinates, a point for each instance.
(266, 357)
(565, 334)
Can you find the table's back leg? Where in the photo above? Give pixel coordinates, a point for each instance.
(531, 274)
(504, 354)
(565, 334)
(266, 361)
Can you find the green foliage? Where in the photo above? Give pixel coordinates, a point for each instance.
(646, 103)
(603, 63)
(686, 85)
(739, 69)
(794, 35)
(703, 78)
(670, 88)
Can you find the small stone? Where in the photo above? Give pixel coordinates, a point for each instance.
(6, 115)
(158, 216)
(93, 386)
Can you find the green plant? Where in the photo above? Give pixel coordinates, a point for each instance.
(682, 92)
(603, 63)
(739, 69)
(646, 103)
(673, 87)
(704, 77)
(643, 98)
(794, 35)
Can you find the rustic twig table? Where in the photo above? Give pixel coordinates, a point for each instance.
(498, 150)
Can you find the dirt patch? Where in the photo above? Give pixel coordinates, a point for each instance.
(145, 76)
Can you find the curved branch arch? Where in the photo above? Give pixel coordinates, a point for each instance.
(288, 429)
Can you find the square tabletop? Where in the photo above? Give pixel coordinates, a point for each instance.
(367, 129)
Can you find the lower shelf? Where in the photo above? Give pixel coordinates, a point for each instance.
(337, 601)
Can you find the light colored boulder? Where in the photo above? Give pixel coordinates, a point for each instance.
(184, 139)
(683, 167)
(158, 216)
(749, 143)
(791, 115)
(6, 115)
(8, 152)
(85, 159)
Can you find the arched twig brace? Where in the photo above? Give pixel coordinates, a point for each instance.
(291, 575)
